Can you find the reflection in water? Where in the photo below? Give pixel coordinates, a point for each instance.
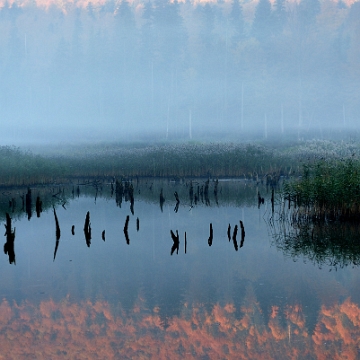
(38, 206)
(206, 193)
(10, 238)
(176, 209)
(28, 202)
(12, 204)
(333, 244)
(216, 191)
(57, 234)
(162, 200)
(98, 329)
(194, 306)
(191, 193)
(119, 192)
(234, 238)
(125, 191)
(87, 229)
(261, 200)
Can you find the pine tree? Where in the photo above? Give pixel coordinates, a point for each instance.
(262, 24)
(237, 21)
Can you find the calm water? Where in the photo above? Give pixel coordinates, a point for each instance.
(114, 299)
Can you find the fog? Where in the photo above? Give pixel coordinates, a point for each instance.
(169, 70)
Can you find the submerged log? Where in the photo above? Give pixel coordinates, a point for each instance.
(234, 238)
(210, 240)
(176, 242)
(126, 230)
(57, 234)
(10, 238)
(87, 229)
(242, 234)
(185, 242)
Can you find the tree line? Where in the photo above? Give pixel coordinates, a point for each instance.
(181, 68)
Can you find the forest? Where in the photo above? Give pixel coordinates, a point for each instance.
(179, 69)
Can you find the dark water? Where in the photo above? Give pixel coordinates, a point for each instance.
(130, 298)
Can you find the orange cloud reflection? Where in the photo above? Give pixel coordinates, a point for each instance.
(98, 330)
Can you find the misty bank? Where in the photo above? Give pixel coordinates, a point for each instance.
(188, 159)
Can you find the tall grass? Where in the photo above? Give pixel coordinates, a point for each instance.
(217, 160)
(328, 190)
(25, 168)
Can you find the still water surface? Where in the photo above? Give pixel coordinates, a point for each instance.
(122, 300)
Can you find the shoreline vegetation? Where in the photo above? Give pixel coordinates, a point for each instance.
(320, 180)
(328, 190)
(258, 161)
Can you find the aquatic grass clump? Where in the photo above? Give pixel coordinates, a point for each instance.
(328, 190)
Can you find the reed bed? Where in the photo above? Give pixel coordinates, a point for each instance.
(19, 168)
(328, 190)
(179, 160)
(167, 160)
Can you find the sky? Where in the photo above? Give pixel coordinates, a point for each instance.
(232, 70)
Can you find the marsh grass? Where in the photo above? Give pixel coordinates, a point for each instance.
(167, 160)
(19, 168)
(329, 190)
(177, 160)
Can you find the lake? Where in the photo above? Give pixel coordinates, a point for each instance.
(128, 290)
